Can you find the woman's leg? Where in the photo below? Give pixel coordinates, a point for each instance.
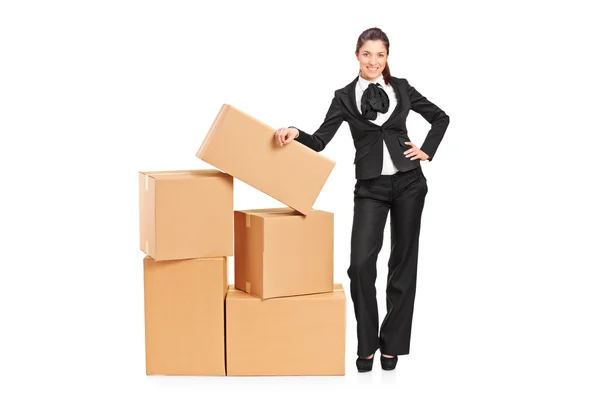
(405, 225)
(370, 213)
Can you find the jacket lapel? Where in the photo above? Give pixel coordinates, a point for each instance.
(350, 99)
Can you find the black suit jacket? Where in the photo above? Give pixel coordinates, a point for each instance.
(368, 137)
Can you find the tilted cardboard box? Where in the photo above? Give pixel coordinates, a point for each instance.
(280, 252)
(298, 335)
(186, 214)
(245, 148)
(184, 316)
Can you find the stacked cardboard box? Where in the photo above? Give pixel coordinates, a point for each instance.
(284, 311)
(186, 231)
(284, 315)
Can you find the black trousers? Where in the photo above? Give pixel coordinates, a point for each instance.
(402, 195)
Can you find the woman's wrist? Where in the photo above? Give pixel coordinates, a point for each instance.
(297, 130)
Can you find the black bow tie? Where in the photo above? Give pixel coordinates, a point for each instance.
(374, 99)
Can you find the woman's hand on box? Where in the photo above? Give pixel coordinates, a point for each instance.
(285, 135)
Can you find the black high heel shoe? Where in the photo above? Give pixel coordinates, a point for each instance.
(364, 364)
(387, 363)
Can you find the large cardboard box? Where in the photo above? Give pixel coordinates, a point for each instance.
(298, 335)
(186, 214)
(280, 252)
(245, 148)
(184, 316)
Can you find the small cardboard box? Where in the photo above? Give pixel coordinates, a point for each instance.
(184, 304)
(280, 252)
(245, 148)
(186, 214)
(298, 335)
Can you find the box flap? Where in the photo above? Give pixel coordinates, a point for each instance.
(177, 174)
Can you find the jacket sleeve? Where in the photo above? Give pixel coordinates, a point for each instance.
(438, 119)
(318, 140)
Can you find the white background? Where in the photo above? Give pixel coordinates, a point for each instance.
(91, 92)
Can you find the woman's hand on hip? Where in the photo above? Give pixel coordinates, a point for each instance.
(285, 135)
(415, 153)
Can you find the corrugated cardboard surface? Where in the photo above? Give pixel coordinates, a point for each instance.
(184, 316)
(248, 252)
(186, 214)
(245, 148)
(280, 252)
(299, 335)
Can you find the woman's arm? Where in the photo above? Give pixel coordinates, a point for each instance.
(438, 119)
(318, 140)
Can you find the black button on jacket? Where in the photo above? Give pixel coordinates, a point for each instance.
(368, 137)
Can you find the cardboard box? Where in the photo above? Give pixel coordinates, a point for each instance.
(185, 316)
(186, 214)
(298, 335)
(245, 148)
(280, 252)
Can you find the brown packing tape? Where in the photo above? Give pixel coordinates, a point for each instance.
(247, 220)
(248, 287)
(147, 247)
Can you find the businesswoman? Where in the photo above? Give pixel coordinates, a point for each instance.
(389, 180)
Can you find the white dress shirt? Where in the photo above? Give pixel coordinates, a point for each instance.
(388, 167)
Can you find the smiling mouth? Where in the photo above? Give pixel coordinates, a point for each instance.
(372, 68)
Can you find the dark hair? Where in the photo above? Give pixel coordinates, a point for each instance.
(376, 34)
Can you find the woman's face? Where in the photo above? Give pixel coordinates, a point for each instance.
(372, 58)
